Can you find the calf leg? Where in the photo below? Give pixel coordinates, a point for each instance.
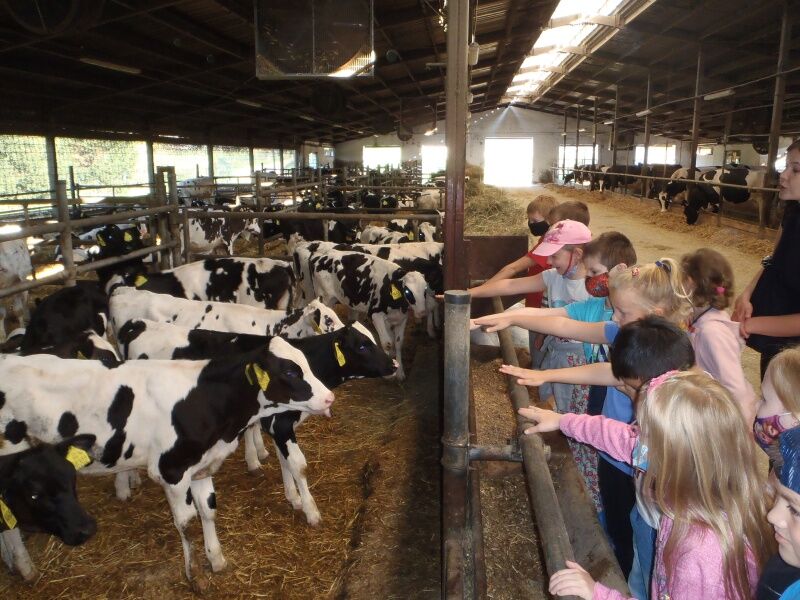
(205, 500)
(122, 486)
(399, 331)
(293, 467)
(384, 334)
(15, 555)
(183, 510)
(2, 323)
(251, 456)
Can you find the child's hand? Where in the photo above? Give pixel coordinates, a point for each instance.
(546, 420)
(525, 376)
(496, 322)
(572, 581)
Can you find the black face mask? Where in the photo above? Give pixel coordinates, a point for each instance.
(538, 228)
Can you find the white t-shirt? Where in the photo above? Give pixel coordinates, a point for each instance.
(562, 291)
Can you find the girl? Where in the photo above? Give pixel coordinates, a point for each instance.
(713, 537)
(779, 409)
(769, 307)
(717, 345)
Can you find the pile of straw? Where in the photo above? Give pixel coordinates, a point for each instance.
(490, 211)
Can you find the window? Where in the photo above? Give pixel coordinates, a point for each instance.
(705, 151)
(584, 155)
(267, 159)
(657, 155)
(23, 161)
(434, 159)
(381, 156)
(508, 162)
(189, 160)
(288, 159)
(329, 155)
(231, 161)
(312, 160)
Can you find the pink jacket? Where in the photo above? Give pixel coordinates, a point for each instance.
(699, 568)
(718, 350)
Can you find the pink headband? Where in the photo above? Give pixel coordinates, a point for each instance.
(656, 382)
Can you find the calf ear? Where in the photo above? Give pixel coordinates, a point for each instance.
(76, 450)
(316, 320)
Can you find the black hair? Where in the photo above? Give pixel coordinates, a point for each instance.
(650, 347)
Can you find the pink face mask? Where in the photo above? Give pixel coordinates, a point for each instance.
(767, 430)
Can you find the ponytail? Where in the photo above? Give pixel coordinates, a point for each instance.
(657, 286)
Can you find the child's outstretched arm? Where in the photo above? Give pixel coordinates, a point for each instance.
(593, 374)
(509, 287)
(591, 333)
(499, 321)
(512, 269)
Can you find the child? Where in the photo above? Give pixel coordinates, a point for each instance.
(713, 538)
(779, 409)
(780, 579)
(709, 279)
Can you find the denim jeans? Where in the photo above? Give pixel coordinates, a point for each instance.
(644, 547)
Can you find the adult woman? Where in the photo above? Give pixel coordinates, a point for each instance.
(769, 307)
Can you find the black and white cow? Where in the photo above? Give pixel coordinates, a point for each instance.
(15, 266)
(370, 286)
(375, 234)
(87, 345)
(262, 282)
(370, 200)
(38, 494)
(208, 235)
(656, 186)
(177, 419)
(425, 257)
(617, 176)
(706, 193)
(347, 353)
(677, 185)
(112, 242)
(128, 303)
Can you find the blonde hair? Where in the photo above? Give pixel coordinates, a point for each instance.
(657, 286)
(693, 429)
(543, 204)
(784, 372)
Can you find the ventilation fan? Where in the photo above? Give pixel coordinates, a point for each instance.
(404, 132)
(761, 147)
(314, 38)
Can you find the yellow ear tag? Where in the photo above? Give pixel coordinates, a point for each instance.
(140, 281)
(277, 222)
(100, 241)
(396, 294)
(411, 235)
(318, 206)
(78, 457)
(127, 237)
(316, 326)
(7, 516)
(339, 356)
(261, 376)
(81, 355)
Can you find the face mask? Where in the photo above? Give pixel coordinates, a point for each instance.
(597, 285)
(767, 430)
(538, 228)
(571, 269)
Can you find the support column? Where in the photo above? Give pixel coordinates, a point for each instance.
(252, 155)
(696, 114)
(210, 153)
(564, 149)
(614, 129)
(281, 159)
(725, 135)
(577, 132)
(52, 162)
(765, 210)
(594, 135)
(456, 140)
(645, 182)
(151, 165)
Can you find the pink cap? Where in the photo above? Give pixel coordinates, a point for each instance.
(561, 234)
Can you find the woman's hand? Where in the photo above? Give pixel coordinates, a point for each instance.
(525, 376)
(546, 420)
(572, 581)
(496, 322)
(742, 308)
(743, 328)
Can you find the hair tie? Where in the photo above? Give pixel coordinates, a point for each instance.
(720, 290)
(664, 265)
(656, 382)
(635, 272)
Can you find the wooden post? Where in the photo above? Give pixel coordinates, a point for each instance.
(696, 114)
(257, 196)
(151, 165)
(645, 182)
(726, 133)
(564, 149)
(210, 153)
(252, 155)
(174, 231)
(765, 206)
(577, 133)
(187, 253)
(456, 139)
(161, 219)
(52, 167)
(65, 237)
(614, 130)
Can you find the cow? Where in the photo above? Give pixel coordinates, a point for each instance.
(676, 185)
(370, 200)
(65, 315)
(197, 188)
(370, 286)
(177, 419)
(347, 353)
(655, 187)
(87, 345)
(339, 230)
(208, 235)
(374, 234)
(428, 199)
(38, 494)
(128, 303)
(705, 193)
(15, 266)
(426, 230)
(262, 282)
(113, 242)
(617, 176)
(425, 257)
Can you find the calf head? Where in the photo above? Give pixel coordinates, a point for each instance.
(413, 289)
(114, 241)
(283, 374)
(38, 489)
(358, 355)
(427, 232)
(322, 318)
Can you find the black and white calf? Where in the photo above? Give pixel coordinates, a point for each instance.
(369, 286)
(177, 419)
(706, 193)
(87, 345)
(346, 353)
(262, 282)
(375, 234)
(207, 235)
(127, 304)
(38, 494)
(15, 266)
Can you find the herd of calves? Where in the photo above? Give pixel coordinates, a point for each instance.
(202, 355)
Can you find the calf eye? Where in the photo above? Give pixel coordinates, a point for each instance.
(291, 373)
(34, 497)
(362, 348)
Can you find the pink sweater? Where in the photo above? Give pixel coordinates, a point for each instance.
(718, 350)
(699, 568)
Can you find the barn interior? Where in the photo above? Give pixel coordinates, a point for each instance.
(137, 105)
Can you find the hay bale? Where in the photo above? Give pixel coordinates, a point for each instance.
(489, 210)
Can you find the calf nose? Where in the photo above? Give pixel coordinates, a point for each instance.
(329, 398)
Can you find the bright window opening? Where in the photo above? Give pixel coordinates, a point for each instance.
(434, 159)
(312, 160)
(508, 162)
(584, 155)
(657, 155)
(381, 156)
